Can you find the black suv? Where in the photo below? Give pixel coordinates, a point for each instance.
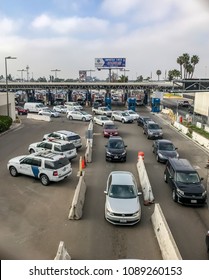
(115, 149)
(185, 182)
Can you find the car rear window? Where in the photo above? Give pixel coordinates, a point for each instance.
(73, 137)
(67, 147)
(56, 164)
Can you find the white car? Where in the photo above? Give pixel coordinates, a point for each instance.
(50, 113)
(133, 114)
(60, 109)
(56, 146)
(66, 135)
(45, 166)
(102, 120)
(122, 205)
(79, 115)
(121, 116)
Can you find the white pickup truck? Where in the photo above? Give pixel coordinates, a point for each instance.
(102, 111)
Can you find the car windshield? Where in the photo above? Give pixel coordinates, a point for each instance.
(153, 126)
(122, 191)
(104, 118)
(110, 126)
(166, 147)
(124, 114)
(116, 144)
(187, 178)
(84, 113)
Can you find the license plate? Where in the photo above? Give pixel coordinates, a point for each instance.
(123, 221)
(115, 156)
(193, 201)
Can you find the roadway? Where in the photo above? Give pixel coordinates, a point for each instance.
(34, 218)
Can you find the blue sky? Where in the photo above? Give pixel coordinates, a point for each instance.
(69, 34)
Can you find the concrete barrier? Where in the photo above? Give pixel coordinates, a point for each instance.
(144, 181)
(62, 253)
(181, 127)
(76, 209)
(38, 117)
(165, 239)
(200, 139)
(88, 153)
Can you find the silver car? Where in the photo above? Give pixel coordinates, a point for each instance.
(121, 116)
(122, 204)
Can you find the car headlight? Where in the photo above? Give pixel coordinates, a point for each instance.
(109, 212)
(123, 153)
(161, 155)
(204, 193)
(177, 155)
(136, 214)
(179, 191)
(108, 153)
(150, 132)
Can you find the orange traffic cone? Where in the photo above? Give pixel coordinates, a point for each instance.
(83, 164)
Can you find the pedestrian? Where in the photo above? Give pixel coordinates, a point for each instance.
(207, 241)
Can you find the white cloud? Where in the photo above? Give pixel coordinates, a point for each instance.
(70, 25)
(9, 26)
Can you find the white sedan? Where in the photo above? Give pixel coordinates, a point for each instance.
(101, 120)
(60, 109)
(48, 112)
(133, 114)
(79, 115)
(122, 204)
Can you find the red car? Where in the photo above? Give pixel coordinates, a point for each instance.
(20, 110)
(110, 130)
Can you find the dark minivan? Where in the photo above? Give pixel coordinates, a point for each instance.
(185, 182)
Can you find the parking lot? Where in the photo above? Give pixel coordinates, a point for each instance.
(34, 218)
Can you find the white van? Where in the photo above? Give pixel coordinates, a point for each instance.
(34, 107)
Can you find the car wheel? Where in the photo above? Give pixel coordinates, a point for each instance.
(44, 180)
(157, 158)
(147, 136)
(123, 121)
(13, 171)
(21, 113)
(143, 131)
(113, 118)
(174, 196)
(165, 178)
(70, 118)
(31, 151)
(83, 119)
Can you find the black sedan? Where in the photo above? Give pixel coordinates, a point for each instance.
(164, 149)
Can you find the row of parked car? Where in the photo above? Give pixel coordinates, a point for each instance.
(50, 159)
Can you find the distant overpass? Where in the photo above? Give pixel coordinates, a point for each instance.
(148, 85)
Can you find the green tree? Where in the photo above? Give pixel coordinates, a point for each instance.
(180, 61)
(158, 72)
(194, 60)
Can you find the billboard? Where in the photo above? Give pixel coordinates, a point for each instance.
(110, 62)
(82, 75)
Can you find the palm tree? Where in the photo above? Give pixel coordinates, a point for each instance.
(180, 61)
(158, 72)
(194, 60)
(186, 59)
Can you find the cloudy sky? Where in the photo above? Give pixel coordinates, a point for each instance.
(69, 34)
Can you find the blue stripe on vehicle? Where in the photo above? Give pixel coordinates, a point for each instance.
(35, 171)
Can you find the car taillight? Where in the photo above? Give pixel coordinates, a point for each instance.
(55, 173)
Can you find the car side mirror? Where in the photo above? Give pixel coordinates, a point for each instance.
(105, 192)
(176, 148)
(106, 146)
(201, 179)
(170, 177)
(126, 146)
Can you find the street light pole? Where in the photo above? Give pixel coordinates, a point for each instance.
(22, 70)
(7, 57)
(55, 72)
